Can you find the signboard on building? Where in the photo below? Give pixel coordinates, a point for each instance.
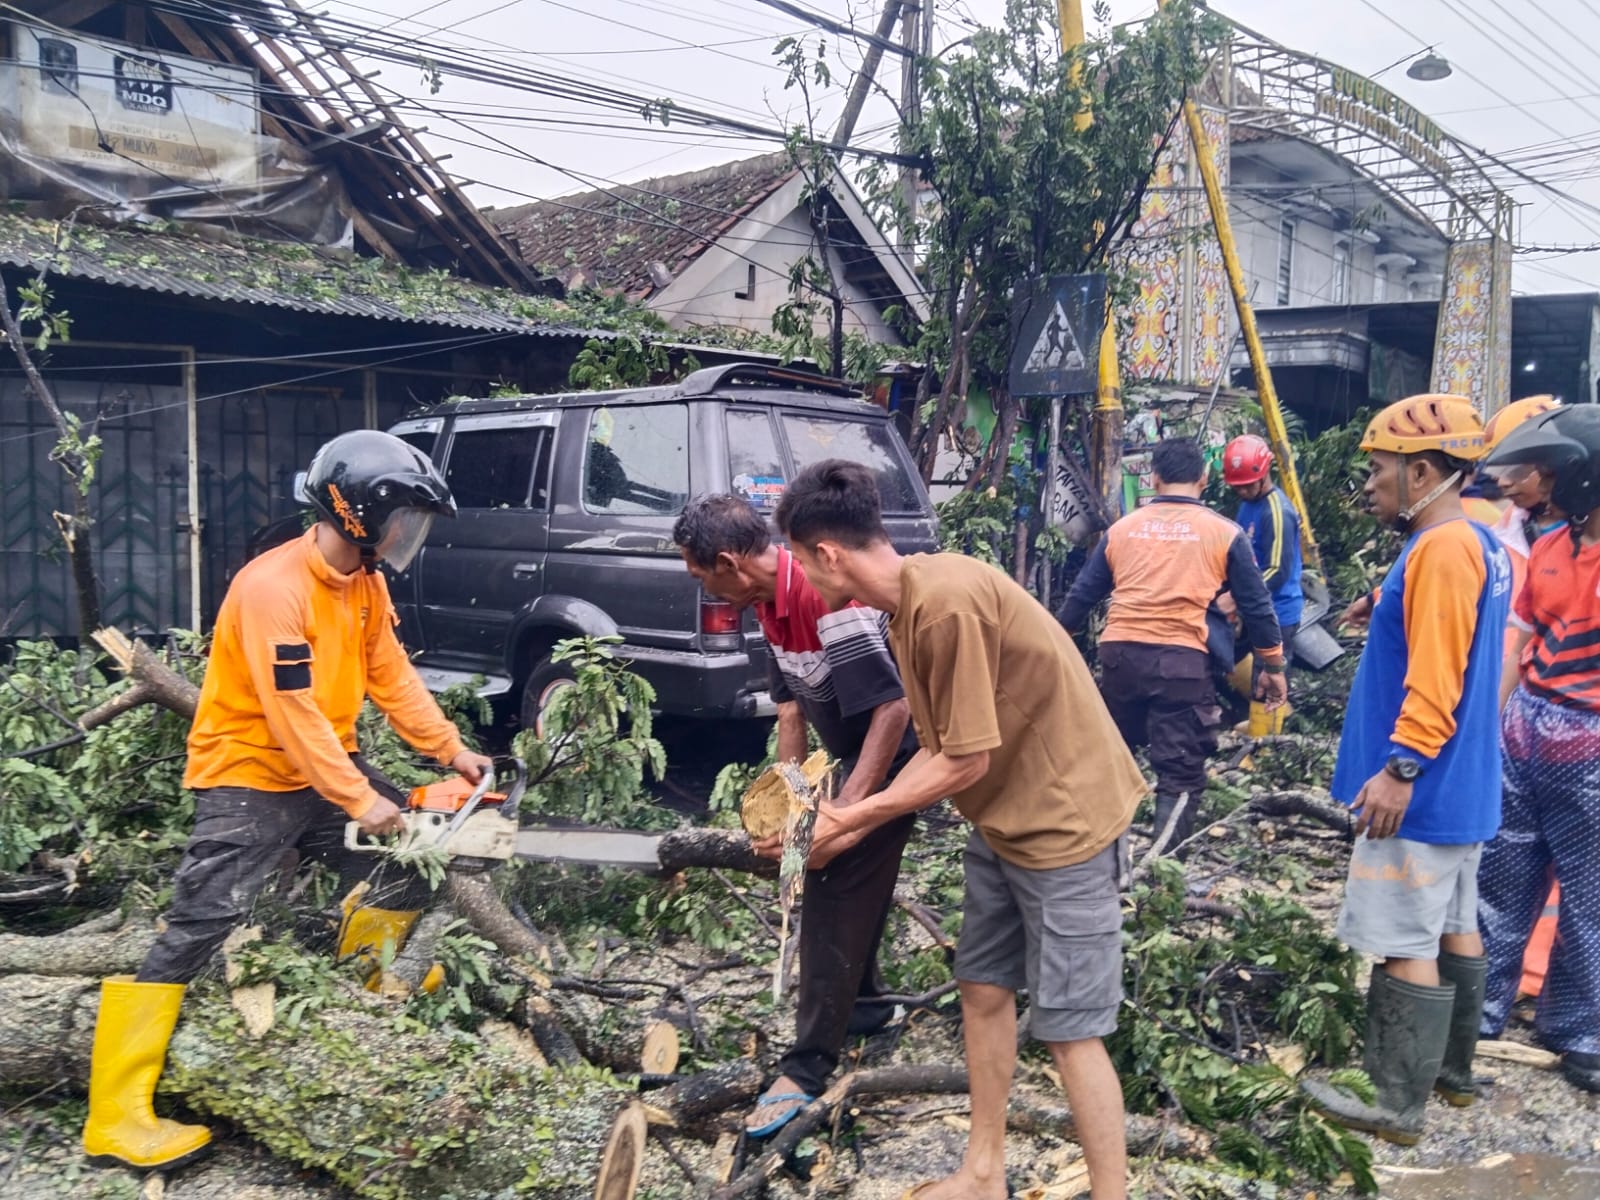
(1057, 324)
(93, 104)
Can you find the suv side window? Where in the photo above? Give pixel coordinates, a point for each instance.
(494, 468)
(426, 440)
(637, 461)
(812, 439)
(755, 465)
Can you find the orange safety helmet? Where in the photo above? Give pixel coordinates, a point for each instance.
(1246, 460)
(1448, 424)
(1514, 414)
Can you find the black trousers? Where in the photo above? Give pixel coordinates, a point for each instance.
(1164, 697)
(842, 915)
(240, 838)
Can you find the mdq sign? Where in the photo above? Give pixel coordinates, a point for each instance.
(88, 104)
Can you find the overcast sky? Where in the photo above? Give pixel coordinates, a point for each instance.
(716, 55)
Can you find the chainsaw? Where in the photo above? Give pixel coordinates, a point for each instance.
(470, 822)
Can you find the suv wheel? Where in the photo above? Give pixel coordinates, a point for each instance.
(544, 682)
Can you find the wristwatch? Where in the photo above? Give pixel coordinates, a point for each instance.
(1402, 768)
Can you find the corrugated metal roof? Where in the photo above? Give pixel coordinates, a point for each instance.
(310, 279)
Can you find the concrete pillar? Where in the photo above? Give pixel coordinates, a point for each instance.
(1472, 346)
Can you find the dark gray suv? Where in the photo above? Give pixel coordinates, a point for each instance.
(566, 506)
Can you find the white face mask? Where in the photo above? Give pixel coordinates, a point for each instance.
(403, 535)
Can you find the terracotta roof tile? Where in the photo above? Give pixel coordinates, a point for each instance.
(612, 237)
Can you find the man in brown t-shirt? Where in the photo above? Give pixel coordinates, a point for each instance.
(1014, 731)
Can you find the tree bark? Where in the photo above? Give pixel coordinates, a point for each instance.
(385, 1109)
(159, 683)
(72, 953)
(727, 849)
(696, 1097)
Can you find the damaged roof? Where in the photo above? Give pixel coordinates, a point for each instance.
(210, 264)
(613, 238)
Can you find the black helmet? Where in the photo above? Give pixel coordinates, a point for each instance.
(1566, 443)
(379, 493)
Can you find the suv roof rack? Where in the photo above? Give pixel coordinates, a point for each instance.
(709, 380)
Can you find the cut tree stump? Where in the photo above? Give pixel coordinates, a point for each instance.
(387, 1108)
(623, 1157)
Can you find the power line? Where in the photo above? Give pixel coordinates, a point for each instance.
(825, 22)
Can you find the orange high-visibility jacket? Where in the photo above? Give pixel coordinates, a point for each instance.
(297, 647)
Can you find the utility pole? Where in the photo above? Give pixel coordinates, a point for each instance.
(864, 77)
(916, 35)
(1109, 418)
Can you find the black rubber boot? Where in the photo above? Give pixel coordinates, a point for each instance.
(1182, 826)
(1407, 1028)
(1454, 1084)
(1582, 1070)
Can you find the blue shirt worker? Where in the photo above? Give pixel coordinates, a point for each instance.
(1272, 526)
(1419, 762)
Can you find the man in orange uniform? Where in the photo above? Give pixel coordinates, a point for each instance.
(1162, 566)
(304, 635)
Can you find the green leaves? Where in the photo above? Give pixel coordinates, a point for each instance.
(597, 751)
(1204, 1005)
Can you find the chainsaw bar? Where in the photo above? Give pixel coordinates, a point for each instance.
(624, 848)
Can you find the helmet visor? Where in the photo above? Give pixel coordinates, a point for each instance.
(403, 535)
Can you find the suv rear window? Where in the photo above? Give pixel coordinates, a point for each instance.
(755, 465)
(637, 460)
(812, 439)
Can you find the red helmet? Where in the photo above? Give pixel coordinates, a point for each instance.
(1246, 460)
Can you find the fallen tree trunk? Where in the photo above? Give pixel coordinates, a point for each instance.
(388, 1110)
(1146, 1135)
(71, 953)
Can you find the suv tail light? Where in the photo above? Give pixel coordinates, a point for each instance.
(719, 625)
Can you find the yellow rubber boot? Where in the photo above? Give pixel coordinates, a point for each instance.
(130, 1048)
(375, 935)
(1265, 723)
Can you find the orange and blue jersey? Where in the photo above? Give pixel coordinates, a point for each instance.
(1273, 527)
(1560, 606)
(1428, 684)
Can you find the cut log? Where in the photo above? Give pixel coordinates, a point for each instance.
(623, 1157)
(384, 1108)
(696, 1097)
(615, 1034)
(659, 1049)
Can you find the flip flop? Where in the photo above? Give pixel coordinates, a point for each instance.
(915, 1190)
(800, 1100)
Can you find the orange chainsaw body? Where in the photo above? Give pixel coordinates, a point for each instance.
(448, 796)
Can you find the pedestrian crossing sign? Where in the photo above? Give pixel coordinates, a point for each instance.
(1056, 325)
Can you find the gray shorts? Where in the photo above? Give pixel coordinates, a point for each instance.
(1057, 933)
(1401, 896)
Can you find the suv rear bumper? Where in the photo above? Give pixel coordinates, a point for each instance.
(691, 684)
